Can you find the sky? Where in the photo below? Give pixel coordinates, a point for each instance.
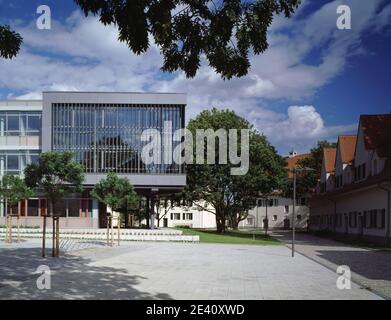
(312, 83)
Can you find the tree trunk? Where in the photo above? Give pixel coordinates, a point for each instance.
(220, 221)
(235, 223)
(53, 227)
(148, 211)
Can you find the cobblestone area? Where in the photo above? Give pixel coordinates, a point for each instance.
(170, 271)
(370, 268)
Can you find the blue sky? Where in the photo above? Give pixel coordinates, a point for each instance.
(312, 83)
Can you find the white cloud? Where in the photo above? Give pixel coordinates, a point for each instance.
(302, 128)
(82, 54)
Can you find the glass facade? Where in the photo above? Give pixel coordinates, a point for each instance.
(13, 162)
(106, 137)
(14, 123)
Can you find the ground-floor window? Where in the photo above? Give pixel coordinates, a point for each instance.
(250, 220)
(72, 207)
(352, 219)
(175, 216)
(187, 216)
(33, 207)
(375, 219)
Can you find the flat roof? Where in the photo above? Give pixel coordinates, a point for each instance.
(20, 105)
(115, 92)
(50, 97)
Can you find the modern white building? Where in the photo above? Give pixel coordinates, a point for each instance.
(103, 130)
(20, 143)
(353, 196)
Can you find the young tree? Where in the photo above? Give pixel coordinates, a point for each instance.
(13, 189)
(232, 196)
(56, 175)
(116, 192)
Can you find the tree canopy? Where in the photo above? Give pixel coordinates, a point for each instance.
(116, 192)
(185, 30)
(225, 32)
(56, 174)
(232, 196)
(10, 42)
(14, 189)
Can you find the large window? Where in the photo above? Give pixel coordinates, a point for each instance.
(33, 207)
(33, 123)
(14, 162)
(20, 123)
(106, 138)
(13, 125)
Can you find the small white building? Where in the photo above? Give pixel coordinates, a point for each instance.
(277, 209)
(279, 213)
(198, 216)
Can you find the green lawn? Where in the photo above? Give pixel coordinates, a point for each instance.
(235, 237)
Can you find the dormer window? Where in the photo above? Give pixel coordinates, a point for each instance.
(360, 172)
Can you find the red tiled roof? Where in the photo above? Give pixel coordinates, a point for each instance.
(370, 181)
(329, 155)
(347, 146)
(377, 132)
(292, 162)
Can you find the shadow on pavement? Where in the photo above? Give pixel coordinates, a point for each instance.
(72, 278)
(370, 264)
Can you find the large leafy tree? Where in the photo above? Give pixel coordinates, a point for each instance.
(231, 196)
(116, 192)
(184, 30)
(13, 189)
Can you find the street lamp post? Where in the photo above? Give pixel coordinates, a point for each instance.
(294, 211)
(295, 170)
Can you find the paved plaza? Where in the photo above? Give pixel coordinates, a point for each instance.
(140, 270)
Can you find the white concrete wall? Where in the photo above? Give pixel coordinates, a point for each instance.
(372, 198)
(202, 219)
(366, 200)
(276, 215)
